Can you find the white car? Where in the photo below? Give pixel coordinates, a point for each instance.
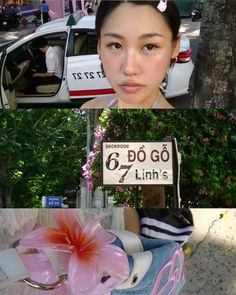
(82, 75)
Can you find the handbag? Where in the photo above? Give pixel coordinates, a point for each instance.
(93, 261)
(156, 266)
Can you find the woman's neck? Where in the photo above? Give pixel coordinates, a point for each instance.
(146, 104)
(159, 102)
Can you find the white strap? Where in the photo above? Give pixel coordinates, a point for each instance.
(142, 262)
(130, 241)
(12, 268)
(58, 263)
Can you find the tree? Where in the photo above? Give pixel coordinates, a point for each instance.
(41, 152)
(213, 80)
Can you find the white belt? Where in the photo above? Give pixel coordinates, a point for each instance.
(131, 242)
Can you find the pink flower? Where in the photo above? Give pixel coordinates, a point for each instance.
(92, 255)
(91, 156)
(97, 174)
(90, 186)
(126, 204)
(228, 179)
(218, 116)
(232, 116)
(120, 189)
(205, 139)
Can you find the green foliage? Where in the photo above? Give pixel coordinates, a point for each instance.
(41, 152)
(206, 140)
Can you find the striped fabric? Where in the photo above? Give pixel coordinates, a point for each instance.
(168, 224)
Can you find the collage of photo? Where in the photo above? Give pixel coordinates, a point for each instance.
(117, 147)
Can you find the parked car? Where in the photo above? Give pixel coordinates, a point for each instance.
(82, 75)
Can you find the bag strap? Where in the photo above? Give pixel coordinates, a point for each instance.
(141, 259)
(12, 268)
(130, 241)
(141, 264)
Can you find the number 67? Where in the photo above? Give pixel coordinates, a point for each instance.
(116, 165)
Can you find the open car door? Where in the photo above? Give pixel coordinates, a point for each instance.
(7, 92)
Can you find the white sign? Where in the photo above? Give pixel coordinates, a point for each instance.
(137, 163)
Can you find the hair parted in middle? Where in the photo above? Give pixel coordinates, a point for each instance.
(170, 12)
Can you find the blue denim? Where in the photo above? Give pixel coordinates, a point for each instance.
(163, 252)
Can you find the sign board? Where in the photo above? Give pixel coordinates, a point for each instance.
(52, 201)
(137, 163)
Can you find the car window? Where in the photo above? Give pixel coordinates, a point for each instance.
(85, 43)
(58, 39)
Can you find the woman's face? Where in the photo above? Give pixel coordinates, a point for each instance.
(136, 48)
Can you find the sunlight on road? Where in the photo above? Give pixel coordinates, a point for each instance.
(189, 28)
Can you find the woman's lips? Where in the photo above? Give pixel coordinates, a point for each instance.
(130, 87)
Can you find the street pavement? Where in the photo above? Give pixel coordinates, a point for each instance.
(192, 30)
(14, 34)
(210, 267)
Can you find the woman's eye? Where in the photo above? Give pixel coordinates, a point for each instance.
(149, 47)
(114, 46)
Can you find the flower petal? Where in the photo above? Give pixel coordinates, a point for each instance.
(83, 276)
(68, 222)
(46, 238)
(94, 229)
(41, 270)
(114, 262)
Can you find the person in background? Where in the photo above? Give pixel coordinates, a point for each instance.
(54, 57)
(45, 10)
(89, 6)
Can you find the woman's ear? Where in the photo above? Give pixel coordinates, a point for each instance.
(175, 46)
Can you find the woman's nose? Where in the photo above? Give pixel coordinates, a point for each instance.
(130, 65)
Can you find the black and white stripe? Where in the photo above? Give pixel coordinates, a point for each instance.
(169, 224)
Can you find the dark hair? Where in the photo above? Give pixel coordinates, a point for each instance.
(40, 42)
(171, 14)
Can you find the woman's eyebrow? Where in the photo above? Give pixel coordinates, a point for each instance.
(150, 35)
(143, 36)
(114, 35)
